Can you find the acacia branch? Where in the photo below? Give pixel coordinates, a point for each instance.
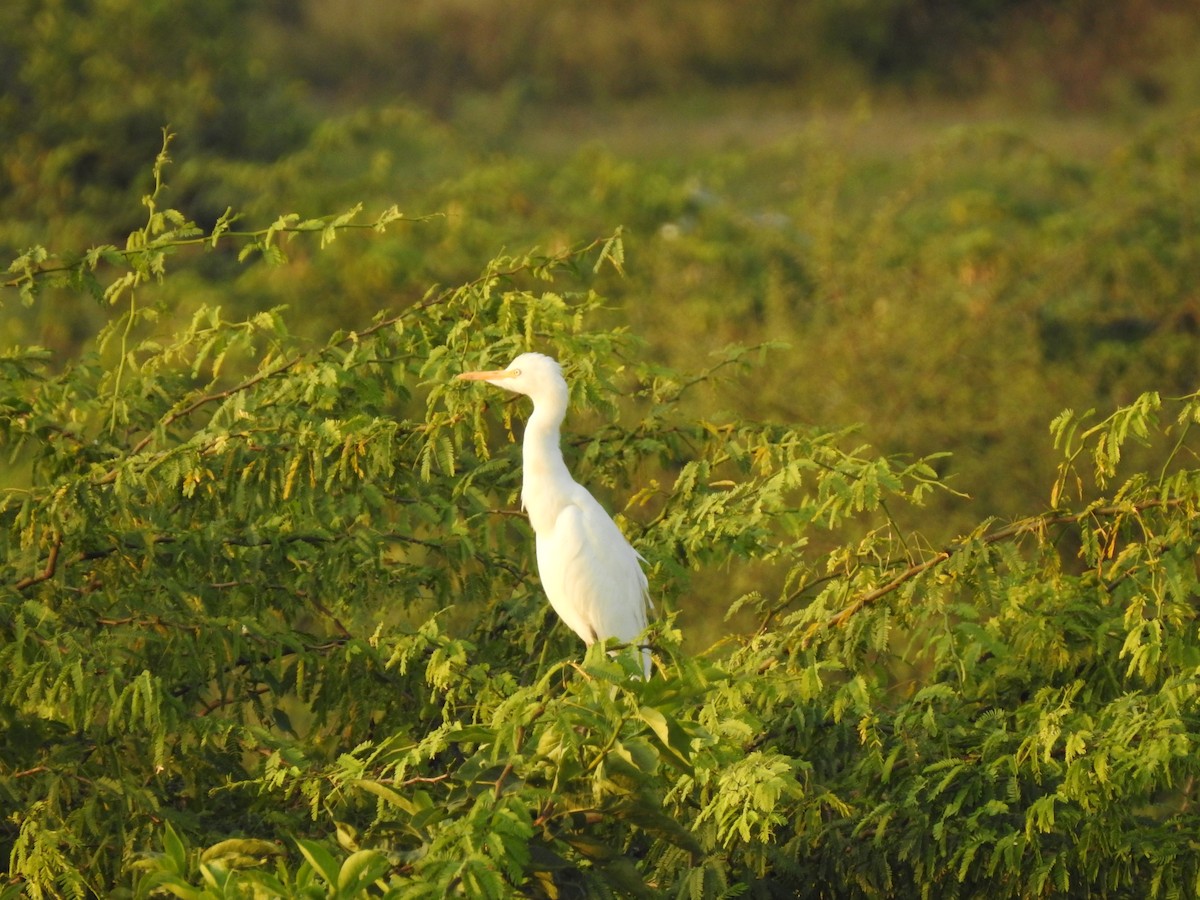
(111, 475)
(416, 779)
(169, 241)
(52, 558)
(25, 773)
(223, 701)
(1016, 529)
(430, 301)
(871, 596)
(47, 573)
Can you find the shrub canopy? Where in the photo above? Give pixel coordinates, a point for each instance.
(269, 626)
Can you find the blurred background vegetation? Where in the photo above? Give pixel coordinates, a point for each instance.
(958, 216)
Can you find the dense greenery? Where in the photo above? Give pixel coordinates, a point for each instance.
(1076, 52)
(269, 629)
(267, 613)
(1042, 277)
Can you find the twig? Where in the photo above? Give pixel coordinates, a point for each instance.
(872, 596)
(47, 573)
(174, 417)
(499, 783)
(209, 239)
(214, 705)
(418, 779)
(1016, 529)
(27, 772)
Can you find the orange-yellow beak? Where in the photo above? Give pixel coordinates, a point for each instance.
(486, 376)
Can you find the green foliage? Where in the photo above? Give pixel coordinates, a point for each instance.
(507, 53)
(267, 614)
(950, 288)
(88, 85)
(269, 628)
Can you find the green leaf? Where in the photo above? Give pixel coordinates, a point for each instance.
(670, 736)
(359, 871)
(321, 860)
(238, 852)
(175, 851)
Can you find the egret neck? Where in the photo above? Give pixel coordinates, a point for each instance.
(542, 460)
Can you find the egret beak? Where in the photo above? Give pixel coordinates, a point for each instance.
(486, 376)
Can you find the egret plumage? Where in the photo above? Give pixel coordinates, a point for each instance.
(591, 574)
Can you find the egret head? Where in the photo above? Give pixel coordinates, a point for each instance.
(533, 374)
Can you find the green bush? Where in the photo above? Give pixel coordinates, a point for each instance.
(269, 629)
(87, 88)
(446, 54)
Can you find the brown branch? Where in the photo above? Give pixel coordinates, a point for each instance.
(499, 782)
(545, 815)
(217, 703)
(84, 555)
(174, 417)
(416, 779)
(126, 620)
(337, 623)
(871, 596)
(47, 573)
(1016, 529)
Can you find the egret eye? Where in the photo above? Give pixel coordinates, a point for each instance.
(516, 372)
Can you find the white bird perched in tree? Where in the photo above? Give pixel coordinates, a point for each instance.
(591, 575)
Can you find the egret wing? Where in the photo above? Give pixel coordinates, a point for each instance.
(592, 576)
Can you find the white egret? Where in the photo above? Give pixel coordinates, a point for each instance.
(591, 575)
